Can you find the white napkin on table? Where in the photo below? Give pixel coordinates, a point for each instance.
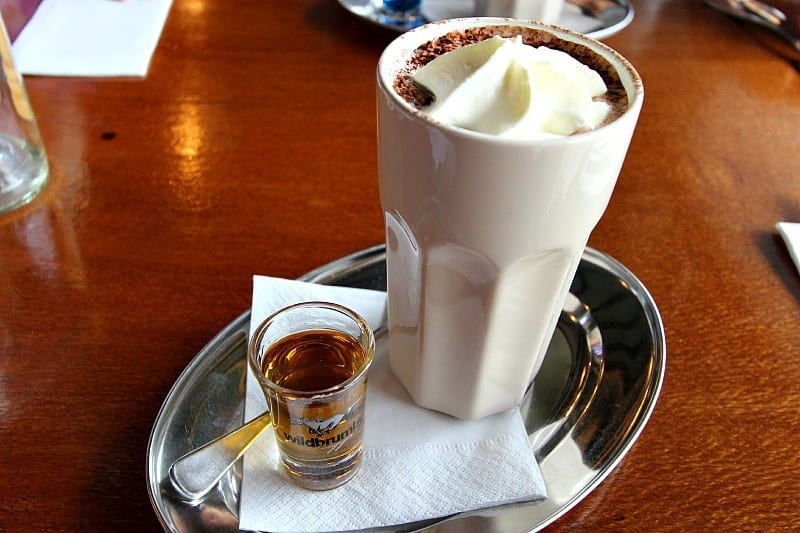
(417, 463)
(91, 37)
(790, 231)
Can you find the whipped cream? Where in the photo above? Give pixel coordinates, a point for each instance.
(507, 88)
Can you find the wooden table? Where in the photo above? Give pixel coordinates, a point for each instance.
(250, 148)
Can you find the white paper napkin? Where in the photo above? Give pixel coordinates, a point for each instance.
(417, 463)
(91, 37)
(790, 231)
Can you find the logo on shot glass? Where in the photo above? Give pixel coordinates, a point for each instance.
(322, 429)
(321, 426)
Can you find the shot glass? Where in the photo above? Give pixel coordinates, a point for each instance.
(311, 360)
(23, 162)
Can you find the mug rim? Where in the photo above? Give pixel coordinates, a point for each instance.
(398, 52)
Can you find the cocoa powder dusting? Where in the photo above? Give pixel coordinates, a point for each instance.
(406, 88)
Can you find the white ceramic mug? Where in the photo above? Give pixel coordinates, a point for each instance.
(484, 235)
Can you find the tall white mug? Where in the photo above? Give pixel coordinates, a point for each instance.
(484, 235)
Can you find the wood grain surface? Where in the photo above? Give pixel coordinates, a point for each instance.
(250, 148)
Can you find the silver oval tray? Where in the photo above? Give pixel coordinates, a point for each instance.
(588, 404)
(598, 19)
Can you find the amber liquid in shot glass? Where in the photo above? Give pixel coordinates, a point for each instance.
(314, 380)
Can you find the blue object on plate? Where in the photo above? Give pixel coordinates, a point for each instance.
(401, 5)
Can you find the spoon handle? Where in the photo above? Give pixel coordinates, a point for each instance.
(197, 472)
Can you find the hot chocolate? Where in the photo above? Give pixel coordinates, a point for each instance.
(417, 95)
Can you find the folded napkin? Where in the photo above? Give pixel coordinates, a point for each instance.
(790, 231)
(417, 464)
(91, 37)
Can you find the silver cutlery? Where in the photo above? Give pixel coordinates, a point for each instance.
(781, 16)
